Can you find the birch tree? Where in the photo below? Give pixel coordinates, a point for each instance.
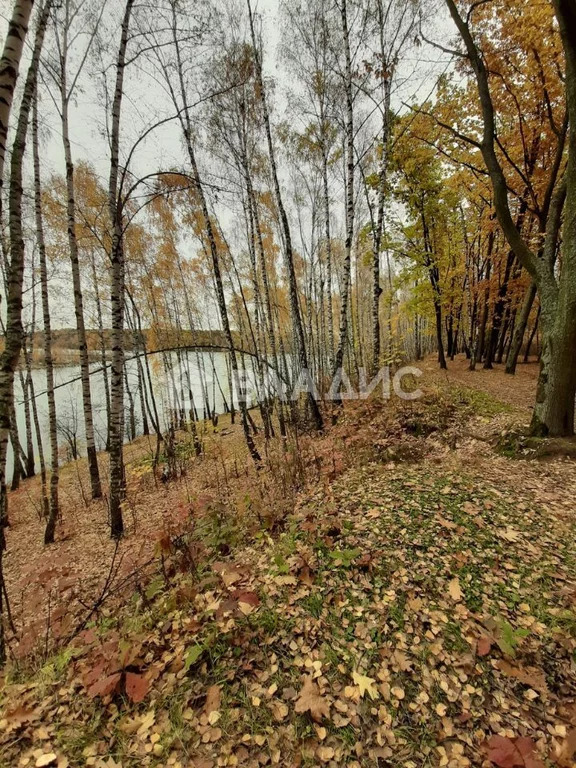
(66, 32)
(13, 333)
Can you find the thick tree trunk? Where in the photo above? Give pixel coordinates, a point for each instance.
(554, 409)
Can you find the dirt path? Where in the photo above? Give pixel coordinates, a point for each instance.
(518, 390)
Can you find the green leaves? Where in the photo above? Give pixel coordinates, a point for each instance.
(192, 655)
(344, 557)
(509, 638)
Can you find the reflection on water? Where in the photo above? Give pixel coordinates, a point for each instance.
(173, 375)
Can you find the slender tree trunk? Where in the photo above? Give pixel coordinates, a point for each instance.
(382, 177)
(29, 464)
(9, 70)
(117, 284)
(349, 190)
(31, 395)
(9, 65)
(479, 347)
(434, 276)
(522, 322)
(267, 299)
(531, 337)
(328, 236)
(102, 338)
(498, 314)
(76, 279)
(288, 253)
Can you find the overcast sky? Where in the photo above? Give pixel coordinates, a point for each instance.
(145, 102)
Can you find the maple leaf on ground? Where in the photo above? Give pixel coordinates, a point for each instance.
(105, 686)
(513, 753)
(366, 685)
(311, 701)
(136, 687)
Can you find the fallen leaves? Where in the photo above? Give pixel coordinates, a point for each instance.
(566, 751)
(213, 699)
(136, 687)
(379, 613)
(366, 685)
(483, 645)
(310, 700)
(48, 758)
(513, 753)
(454, 590)
(106, 686)
(530, 676)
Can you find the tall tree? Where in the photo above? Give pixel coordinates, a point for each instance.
(117, 298)
(66, 23)
(53, 508)
(554, 408)
(13, 334)
(295, 310)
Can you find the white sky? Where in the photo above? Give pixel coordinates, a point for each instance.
(145, 103)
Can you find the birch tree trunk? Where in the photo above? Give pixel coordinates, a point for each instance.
(186, 124)
(295, 312)
(339, 358)
(65, 96)
(48, 362)
(117, 296)
(9, 68)
(13, 336)
(102, 338)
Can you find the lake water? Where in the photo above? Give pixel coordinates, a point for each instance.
(187, 366)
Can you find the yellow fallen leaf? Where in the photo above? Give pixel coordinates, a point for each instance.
(325, 753)
(366, 685)
(46, 759)
(454, 590)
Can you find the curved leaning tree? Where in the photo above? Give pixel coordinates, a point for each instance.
(554, 277)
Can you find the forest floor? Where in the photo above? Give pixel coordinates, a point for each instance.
(400, 591)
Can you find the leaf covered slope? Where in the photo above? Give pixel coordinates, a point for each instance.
(416, 608)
